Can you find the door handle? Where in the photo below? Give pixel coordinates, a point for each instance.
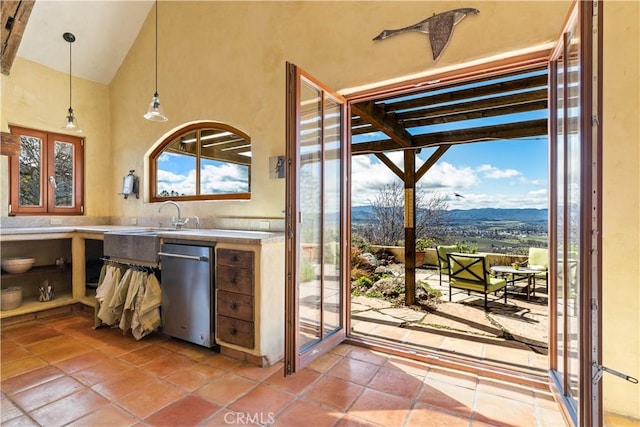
(52, 181)
(192, 257)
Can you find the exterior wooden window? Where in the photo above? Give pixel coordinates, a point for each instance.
(202, 161)
(47, 176)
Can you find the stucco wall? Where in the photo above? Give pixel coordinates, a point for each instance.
(37, 97)
(621, 211)
(235, 73)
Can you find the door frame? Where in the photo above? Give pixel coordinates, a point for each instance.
(296, 358)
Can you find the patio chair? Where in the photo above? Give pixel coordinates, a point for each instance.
(471, 272)
(443, 262)
(539, 260)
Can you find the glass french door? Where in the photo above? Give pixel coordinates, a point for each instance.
(316, 213)
(575, 218)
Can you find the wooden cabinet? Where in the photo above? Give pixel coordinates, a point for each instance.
(235, 284)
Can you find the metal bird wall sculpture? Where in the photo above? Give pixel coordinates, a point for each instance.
(439, 27)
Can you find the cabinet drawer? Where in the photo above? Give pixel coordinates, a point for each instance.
(235, 258)
(234, 279)
(235, 331)
(235, 305)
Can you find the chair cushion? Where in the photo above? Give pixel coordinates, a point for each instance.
(538, 256)
(443, 250)
(494, 284)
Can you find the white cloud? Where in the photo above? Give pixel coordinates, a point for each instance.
(225, 178)
(533, 199)
(534, 182)
(368, 175)
(493, 172)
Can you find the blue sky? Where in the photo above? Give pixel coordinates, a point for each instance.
(498, 174)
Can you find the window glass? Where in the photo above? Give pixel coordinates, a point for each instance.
(63, 173)
(202, 161)
(47, 176)
(30, 168)
(177, 167)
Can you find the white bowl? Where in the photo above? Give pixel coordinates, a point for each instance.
(10, 298)
(17, 265)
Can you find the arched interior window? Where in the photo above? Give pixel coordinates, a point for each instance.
(202, 161)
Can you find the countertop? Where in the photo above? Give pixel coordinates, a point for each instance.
(206, 235)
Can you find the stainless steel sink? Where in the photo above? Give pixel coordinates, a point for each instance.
(138, 245)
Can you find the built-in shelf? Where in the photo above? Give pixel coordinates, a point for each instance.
(38, 271)
(32, 305)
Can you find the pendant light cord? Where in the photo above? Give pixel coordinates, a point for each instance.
(156, 92)
(69, 75)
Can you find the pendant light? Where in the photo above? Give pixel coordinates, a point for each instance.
(71, 123)
(155, 113)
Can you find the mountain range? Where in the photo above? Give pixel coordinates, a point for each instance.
(365, 213)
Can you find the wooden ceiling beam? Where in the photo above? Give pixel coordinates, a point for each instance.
(9, 144)
(376, 115)
(462, 136)
(14, 16)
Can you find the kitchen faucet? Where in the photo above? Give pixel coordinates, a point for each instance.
(178, 223)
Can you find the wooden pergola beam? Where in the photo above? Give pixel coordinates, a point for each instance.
(376, 115)
(478, 114)
(387, 161)
(431, 161)
(462, 136)
(531, 100)
(14, 16)
(473, 92)
(489, 107)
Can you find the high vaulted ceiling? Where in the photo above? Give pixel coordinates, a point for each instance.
(104, 30)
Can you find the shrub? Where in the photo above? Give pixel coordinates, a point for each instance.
(374, 294)
(424, 244)
(357, 273)
(364, 281)
(465, 248)
(307, 272)
(359, 242)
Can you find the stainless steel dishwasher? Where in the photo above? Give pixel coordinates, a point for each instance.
(188, 292)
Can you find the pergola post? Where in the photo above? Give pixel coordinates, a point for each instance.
(409, 227)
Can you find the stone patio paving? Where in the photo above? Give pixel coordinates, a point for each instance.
(515, 333)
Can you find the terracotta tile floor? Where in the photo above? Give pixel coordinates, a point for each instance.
(59, 371)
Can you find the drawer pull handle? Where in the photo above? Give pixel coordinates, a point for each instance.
(233, 331)
(235, 258)
(235, 279)
(233, 306)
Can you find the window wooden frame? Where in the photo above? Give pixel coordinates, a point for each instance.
(157, 152)
(47, 196)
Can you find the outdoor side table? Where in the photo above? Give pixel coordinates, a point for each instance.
(522, 271)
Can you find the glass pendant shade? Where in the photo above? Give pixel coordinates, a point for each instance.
(71, 123)
(155, 113)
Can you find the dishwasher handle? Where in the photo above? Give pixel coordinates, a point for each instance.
(193, 257)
